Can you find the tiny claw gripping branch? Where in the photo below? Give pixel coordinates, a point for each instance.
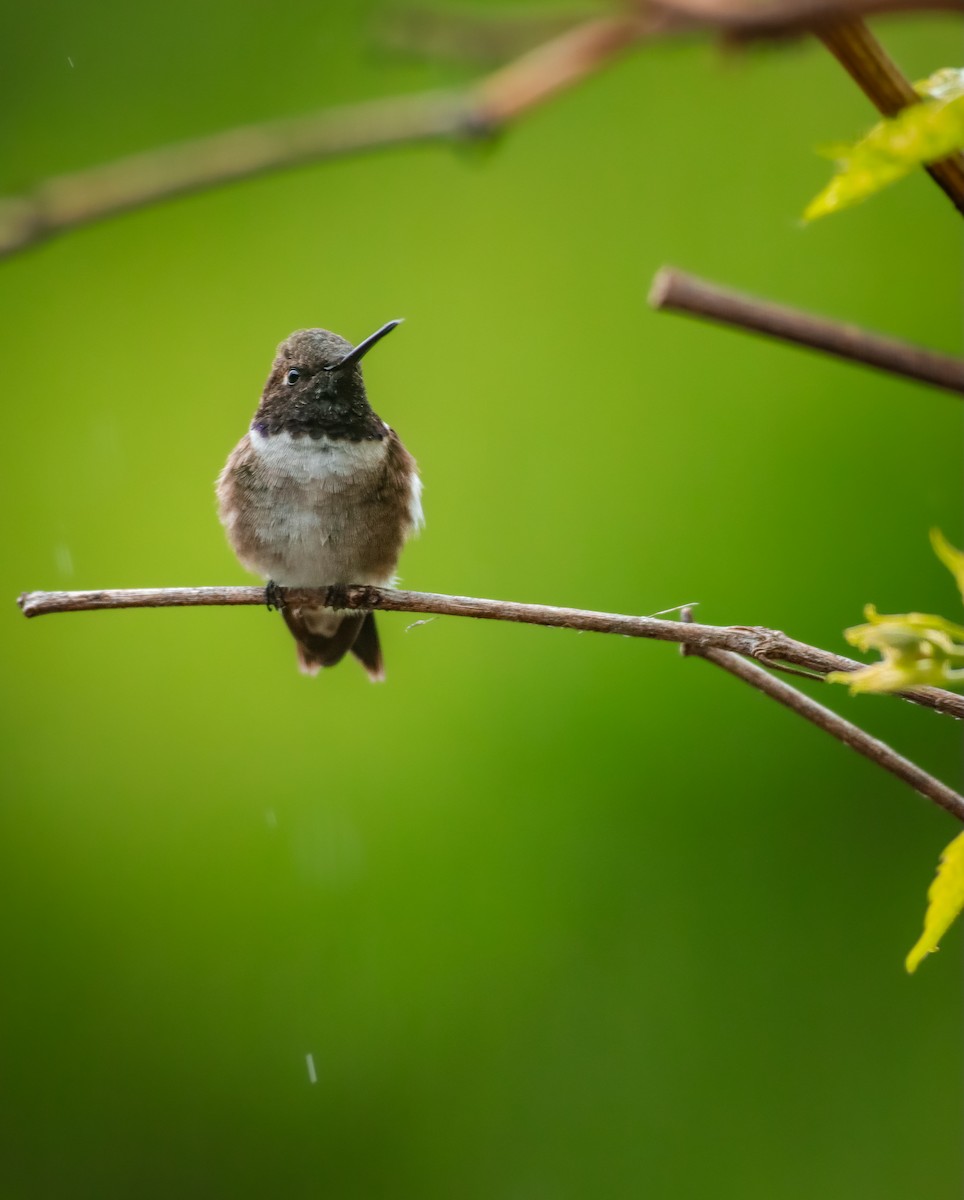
(273, 597)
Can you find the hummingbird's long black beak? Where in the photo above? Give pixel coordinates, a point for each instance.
(362, 348)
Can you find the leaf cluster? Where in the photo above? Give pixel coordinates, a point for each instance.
(918, 649)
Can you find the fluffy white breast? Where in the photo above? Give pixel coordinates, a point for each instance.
(308, 460)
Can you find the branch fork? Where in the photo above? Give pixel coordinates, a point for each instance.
(727, 646)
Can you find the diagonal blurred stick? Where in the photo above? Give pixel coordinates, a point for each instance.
(70, 201)
(676, 291)
(851, 735)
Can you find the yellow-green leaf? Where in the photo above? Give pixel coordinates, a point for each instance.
(950, 556)
(917, 649)
(921, 133)
(945, 899)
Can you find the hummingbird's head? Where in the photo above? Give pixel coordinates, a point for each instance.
(316, 387)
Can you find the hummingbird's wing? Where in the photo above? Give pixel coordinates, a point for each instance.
(368, 651)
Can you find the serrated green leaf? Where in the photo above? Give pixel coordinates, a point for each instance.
(945, 899)
(920, 134)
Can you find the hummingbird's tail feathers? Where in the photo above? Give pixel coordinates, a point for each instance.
(307, 663)
(317, 650)
(368, 651)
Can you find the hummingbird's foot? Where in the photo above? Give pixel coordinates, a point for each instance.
(272, 597)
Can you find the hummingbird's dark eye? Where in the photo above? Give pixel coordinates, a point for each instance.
(293, 375)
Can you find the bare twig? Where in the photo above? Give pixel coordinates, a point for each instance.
(865, 60)
(679, 292)
(845, 731)
(767, 645)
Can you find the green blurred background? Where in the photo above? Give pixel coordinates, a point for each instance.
(555, 915)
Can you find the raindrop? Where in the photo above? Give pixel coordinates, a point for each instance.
(64, 560)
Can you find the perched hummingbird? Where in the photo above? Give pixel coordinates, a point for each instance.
(321, 491)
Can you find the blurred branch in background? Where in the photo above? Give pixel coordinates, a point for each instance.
(70, 201)
(677, 291)
(472, 34)
(837, 726)
(769, 646)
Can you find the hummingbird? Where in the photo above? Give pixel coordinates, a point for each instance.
(321, 491)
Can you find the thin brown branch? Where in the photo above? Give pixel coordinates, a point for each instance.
(878, 77)
(70, 201)
(679, 292)
(837, 726)
(766, 645)
(868, 64)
